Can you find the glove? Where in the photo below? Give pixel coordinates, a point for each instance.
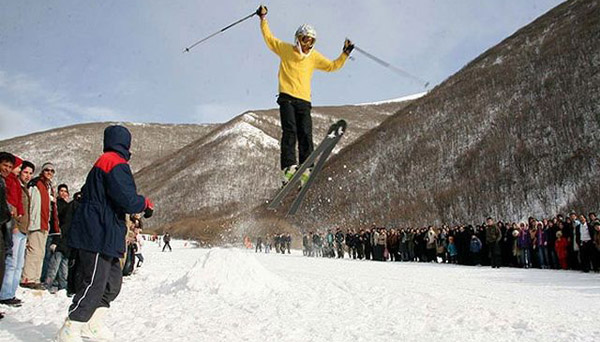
(52, 248)
(149, 210)
(348, 47)
(262, 11)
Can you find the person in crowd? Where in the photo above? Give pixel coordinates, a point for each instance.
(317, 245)
(452, 251)
(43, 221)
(586, 241)
(58, 266)
(595, 223)
(339, 243)
(493, 237)
(551, 230)
(367, 243)
(573, 228)
(288, 242)
(393, 245)
(540, 246)
(475, 249)
(267, 244)
(7, 162)
(167, 241)
(72, 275)
(258, 245)
(561, 246)
(349, 240)
(359, 244)
(98, 235)
(139, 241)
(330, 238)
(442, 245)
(13, 192)
(403, 238)
(410, 238)
(431, 244)
(524, 245)
(14, 261)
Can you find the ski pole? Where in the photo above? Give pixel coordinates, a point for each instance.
(391, 67)
(187, 49)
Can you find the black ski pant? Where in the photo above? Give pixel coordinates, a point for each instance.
(296, 125)
(99, 280)
(167, 244)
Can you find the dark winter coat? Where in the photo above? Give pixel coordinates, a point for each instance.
(4, 218)
(65, 216)
(108, 195)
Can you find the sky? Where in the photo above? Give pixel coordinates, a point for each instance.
(65, 62)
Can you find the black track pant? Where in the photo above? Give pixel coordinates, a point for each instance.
(296, 125)
(99, 280)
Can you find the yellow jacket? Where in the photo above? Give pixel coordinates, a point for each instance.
(295, 70)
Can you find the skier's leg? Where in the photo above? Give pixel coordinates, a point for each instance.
(304, 130)
(288, 134)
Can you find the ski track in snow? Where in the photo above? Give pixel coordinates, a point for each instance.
(237, 295)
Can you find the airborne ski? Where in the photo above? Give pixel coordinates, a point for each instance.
(320, 155)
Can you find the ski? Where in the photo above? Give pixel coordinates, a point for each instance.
(322, 152)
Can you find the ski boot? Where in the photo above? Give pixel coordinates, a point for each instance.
(288, 174)
(305, 176)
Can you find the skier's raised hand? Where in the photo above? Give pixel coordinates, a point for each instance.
(348, 47)
(262, 11)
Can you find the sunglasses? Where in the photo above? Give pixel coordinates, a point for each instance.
(49, 170)
(307, 41)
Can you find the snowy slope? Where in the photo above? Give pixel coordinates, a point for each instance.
(511, 135)
(234, 295)
(74, 149)
(236, 167)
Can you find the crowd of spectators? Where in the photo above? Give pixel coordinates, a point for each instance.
(568, 243)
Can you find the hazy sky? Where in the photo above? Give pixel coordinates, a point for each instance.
(66, 62)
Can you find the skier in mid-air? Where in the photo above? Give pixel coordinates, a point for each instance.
(298, 62)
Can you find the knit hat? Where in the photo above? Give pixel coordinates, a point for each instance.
(48, 166)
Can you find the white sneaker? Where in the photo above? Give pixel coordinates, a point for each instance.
(70, 331)
(95, 329)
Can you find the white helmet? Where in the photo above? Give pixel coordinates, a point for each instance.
(305, 30)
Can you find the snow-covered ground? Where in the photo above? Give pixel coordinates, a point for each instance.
(235, 295)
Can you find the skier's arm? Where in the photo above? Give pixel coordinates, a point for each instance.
(325, 64)
(273, 43)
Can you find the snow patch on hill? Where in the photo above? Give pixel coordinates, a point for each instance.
(400, 99)
(244, 133)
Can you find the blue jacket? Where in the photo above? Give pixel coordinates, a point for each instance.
(109, 194)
